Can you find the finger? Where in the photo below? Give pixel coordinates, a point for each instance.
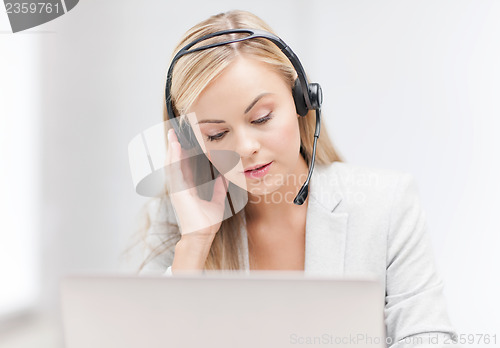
(219, 190)
(187, 172)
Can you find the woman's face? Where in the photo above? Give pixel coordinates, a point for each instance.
(249, 109)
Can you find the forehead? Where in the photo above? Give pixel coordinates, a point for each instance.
(236, 87)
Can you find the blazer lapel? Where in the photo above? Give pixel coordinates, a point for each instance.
(326, 225)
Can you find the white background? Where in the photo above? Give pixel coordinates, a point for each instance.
(411, 86)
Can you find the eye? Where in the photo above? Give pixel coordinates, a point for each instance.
(216, 137)
(261, 120)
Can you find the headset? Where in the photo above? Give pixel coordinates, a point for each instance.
(307, 96)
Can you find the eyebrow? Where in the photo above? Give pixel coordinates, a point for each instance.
(249, 107)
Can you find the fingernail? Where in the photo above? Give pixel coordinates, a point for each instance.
(169, 136)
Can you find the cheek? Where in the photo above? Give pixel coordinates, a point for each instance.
(285, 140)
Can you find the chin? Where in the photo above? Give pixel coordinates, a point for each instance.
(258, 191)
(263, 187)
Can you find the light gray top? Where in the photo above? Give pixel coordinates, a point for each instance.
(369, 222)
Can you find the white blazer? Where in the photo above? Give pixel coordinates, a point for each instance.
(369, 222)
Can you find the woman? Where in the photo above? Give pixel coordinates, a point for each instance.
(354, 222)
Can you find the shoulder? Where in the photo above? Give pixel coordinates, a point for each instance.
(375, 199)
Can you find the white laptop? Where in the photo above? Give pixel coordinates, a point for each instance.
(223, 310)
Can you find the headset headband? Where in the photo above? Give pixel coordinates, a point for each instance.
(254, 33)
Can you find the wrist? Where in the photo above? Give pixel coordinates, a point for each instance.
(196, 241)
(191, 253)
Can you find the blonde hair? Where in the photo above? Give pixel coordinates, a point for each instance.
(191, 75)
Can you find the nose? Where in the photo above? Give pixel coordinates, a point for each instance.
(247, 144)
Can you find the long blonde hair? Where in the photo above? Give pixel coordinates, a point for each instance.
(191, 75)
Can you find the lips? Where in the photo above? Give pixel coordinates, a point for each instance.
(258, 166)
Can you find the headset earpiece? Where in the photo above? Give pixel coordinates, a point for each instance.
(185, 134)
(315, 97)
(298, 97)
